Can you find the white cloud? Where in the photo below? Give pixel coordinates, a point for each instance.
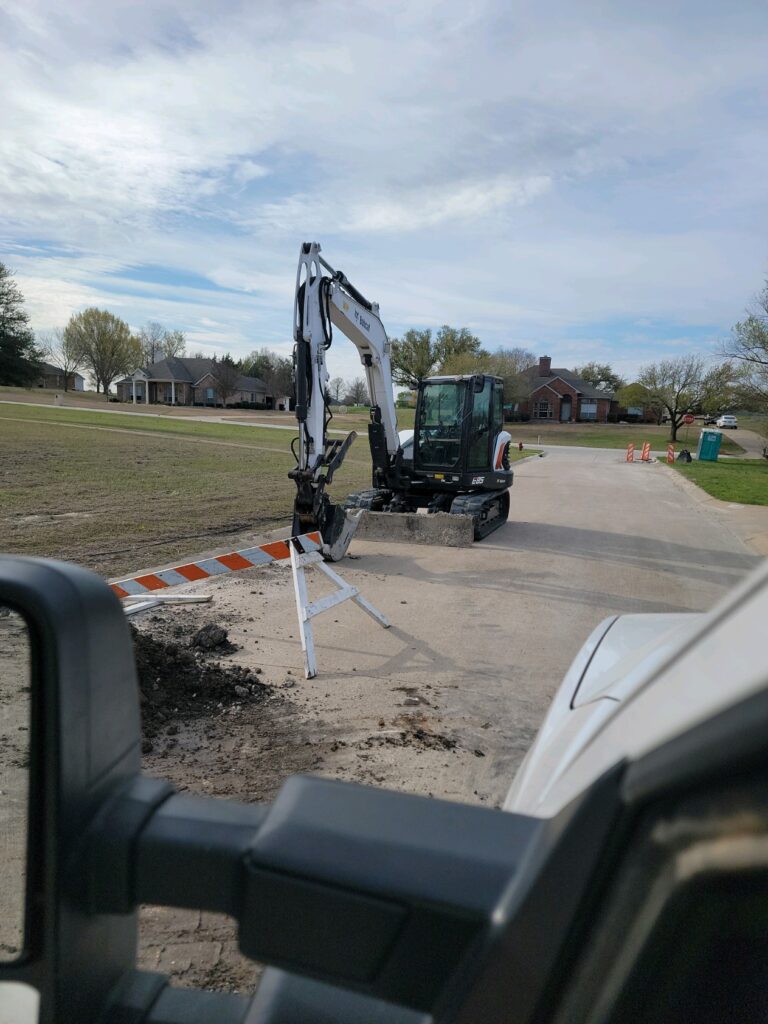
(524, 170)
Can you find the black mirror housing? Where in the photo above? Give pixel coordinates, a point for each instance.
(84, 747)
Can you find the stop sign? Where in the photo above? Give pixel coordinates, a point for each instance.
(688, 419)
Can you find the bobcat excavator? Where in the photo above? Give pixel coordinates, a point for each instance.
(456, 460)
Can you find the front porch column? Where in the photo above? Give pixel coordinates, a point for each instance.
(173, 392)
(134, 391)
(146, 392)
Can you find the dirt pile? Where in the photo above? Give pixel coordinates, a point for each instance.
(178, 682)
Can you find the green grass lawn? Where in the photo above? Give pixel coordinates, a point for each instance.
(739, 480)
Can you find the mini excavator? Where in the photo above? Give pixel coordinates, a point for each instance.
(455, 460)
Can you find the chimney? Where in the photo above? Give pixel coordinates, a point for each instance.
(545, 366)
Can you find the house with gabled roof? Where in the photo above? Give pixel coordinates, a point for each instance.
(53, 377)
(179, 380)
(561, 396)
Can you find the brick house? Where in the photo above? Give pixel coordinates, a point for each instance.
(53, 377)
(557, 395)
(183, 381)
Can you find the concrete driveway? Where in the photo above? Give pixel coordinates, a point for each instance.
(752, 442)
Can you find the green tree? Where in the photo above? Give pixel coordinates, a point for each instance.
(63, 351)
(19, 359)
(413, 356)
(109, 349)
(417, 354)
(275, 370)
(453, 342)
(637, 396)
(508, 363)
(600, 376)
(685, 384)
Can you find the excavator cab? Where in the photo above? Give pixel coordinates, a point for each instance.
(458, 430)
(457, 460)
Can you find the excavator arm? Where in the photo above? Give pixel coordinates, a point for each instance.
(326, 299)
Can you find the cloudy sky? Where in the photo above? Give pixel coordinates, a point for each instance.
(588, 180)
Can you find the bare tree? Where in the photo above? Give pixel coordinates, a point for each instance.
(151, 338)
(107, 343)
(226, 373)
(173, 344)
(748, 345)
(684, 385)
(64, 350)
(357, 392)
(336, 387)
(510, 364)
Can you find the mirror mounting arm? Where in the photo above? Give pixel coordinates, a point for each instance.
(334, 881)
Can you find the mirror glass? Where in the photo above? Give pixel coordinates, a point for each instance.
(15, 704)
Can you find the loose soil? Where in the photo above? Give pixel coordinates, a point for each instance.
(223, 716)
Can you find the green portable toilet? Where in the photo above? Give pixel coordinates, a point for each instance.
(709, 445)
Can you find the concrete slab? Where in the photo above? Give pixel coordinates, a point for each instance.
(440, 528)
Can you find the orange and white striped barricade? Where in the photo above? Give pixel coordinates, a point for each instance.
(646, 454)
(670, 453)
(306, 610)
(148, 590)
(153, 584)
(630, 452)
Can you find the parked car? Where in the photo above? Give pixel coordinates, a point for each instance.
(710, 421)
(727, 423)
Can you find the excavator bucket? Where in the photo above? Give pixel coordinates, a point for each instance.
(336, 525)
(337, 531)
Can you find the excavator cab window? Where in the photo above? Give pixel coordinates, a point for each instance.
(439, 420)
(497, 416)
(480, 428)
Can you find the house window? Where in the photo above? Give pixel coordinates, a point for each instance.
(543, 410)
(589, 410)
(209, 394)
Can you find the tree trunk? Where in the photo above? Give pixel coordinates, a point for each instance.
(673, 426)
